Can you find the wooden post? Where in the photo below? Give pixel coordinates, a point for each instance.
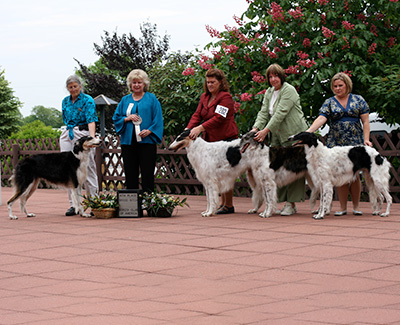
(15, 154)
(99, 162)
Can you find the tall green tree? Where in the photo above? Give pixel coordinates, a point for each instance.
(119, 55)
(35, 130)
(10, 116)
(50, 116)
(312, 40)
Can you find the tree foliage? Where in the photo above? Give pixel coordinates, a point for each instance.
(178, 97)
(50, 116)
(35, 130)
(10, 115)
(312, 40)
(119, 55)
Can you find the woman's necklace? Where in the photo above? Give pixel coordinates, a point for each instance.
(343, 101)
(137, 97)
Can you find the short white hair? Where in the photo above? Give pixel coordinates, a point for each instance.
(73, 78)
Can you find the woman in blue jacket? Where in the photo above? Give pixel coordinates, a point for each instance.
(139, 122)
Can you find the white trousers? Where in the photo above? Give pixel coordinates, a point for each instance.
(66, 144)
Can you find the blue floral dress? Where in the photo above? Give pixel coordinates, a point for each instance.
(344, 123)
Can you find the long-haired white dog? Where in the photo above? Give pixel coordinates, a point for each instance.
(217, 166)
(273, 167)
(339, 165)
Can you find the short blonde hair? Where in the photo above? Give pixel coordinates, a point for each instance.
(346, 79)
(138, 74)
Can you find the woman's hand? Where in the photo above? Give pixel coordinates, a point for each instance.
(145, 133)
(368, 143)
(194, 133)
(260, 135)
(132, 118)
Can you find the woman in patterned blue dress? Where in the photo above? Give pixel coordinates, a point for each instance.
(345, 112)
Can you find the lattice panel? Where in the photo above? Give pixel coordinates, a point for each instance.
(173, 174)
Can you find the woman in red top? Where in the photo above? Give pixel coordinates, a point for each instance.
(214, 117)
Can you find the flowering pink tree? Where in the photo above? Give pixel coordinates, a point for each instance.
(312, 40)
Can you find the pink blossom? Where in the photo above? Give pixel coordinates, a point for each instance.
(292, 70)
(306, 63)
(371, 49)
(272, 55)
(373, 30)
(217, 54)
(391, 42)
(393, 0)
(230, 48)
(247, 58)
(347, 25)
(188, 72)
(262, 92)
(238, 20)
(347, 45)
(276, 11)
(296, 14)
(246, 97)
(327, 32)
(323, 18)
(257, 77)
(263, 25)
(302, 55)
(231, 61)
(236, 107)
(320, 55)
(202, 62)
(348, 73)
(237, 34)
(306, 42)
(323, 2)
(213, 32)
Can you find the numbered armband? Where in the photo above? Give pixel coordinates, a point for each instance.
(222, 110)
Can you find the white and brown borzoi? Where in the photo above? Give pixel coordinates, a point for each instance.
(339, 165)
(211, 162)
(66, 169)
(273, 167)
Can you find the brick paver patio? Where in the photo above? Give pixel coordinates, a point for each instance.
(232, 269)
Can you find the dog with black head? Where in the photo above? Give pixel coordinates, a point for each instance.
(273, 167)
(340, 165)
(66, 169)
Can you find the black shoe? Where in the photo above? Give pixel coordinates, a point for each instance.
(225, 210)
(70, 212)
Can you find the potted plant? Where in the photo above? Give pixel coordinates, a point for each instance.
(103, 204)
(160, 204)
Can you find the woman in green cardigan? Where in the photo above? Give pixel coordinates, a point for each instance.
(282, 116)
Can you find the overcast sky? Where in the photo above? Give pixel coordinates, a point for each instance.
(40, 39)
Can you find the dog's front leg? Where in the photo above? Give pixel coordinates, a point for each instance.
(10, 214)
(76, 202)
(212, 201)
(269, 191)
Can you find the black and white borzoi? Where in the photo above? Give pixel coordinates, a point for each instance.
(273, 167)
(211, 162)
(339, 165)
(66, 169)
